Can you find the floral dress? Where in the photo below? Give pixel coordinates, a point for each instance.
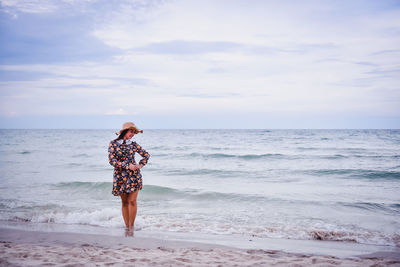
(120, 155)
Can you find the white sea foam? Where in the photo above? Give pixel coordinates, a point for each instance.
(111, 218)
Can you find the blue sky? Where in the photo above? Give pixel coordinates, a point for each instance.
(199, 64)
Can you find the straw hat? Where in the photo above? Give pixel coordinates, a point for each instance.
(129, 125)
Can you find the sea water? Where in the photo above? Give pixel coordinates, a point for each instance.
(337, 185)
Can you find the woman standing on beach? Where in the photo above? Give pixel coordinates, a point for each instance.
(127, 177)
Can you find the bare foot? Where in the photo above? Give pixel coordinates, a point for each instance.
(129, 232)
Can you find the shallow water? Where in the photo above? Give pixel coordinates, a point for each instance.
(337, 185)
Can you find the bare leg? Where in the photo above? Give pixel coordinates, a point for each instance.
(132, 207)
(125, 209)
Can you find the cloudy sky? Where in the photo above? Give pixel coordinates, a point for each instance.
(199, 64)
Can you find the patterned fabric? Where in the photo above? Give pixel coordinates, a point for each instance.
(119, 156)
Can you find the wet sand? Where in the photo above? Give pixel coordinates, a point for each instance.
(36, 248)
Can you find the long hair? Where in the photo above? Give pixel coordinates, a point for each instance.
(122, 134)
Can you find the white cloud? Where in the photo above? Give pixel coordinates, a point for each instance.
(42, 6)
(30, 6)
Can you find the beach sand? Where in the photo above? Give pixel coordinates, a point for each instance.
(36, 248)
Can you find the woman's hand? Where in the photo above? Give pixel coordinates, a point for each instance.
(134, 167)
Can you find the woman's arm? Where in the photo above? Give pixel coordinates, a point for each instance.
(112, 150)
(145, 156)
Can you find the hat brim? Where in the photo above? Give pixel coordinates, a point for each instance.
(130, 128)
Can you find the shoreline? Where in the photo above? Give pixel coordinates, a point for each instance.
(340, 249)
(28, 247)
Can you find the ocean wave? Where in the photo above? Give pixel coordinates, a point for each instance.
(381, 207)
(107, 217)
(307, 148)
(81, 155)
(336, 156)
(25, 152)
(204, 172)
(246, 156)
(379, 157)
(261, 156)
(151, 192)
(167, 155)
(284, 231)
(156, 147)
(357, 173)
(83, 187)
(75, 164)
(156, 193)
(280, 156)
(195, 155)
(17, 205)
(296, 156)
(212, 155)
